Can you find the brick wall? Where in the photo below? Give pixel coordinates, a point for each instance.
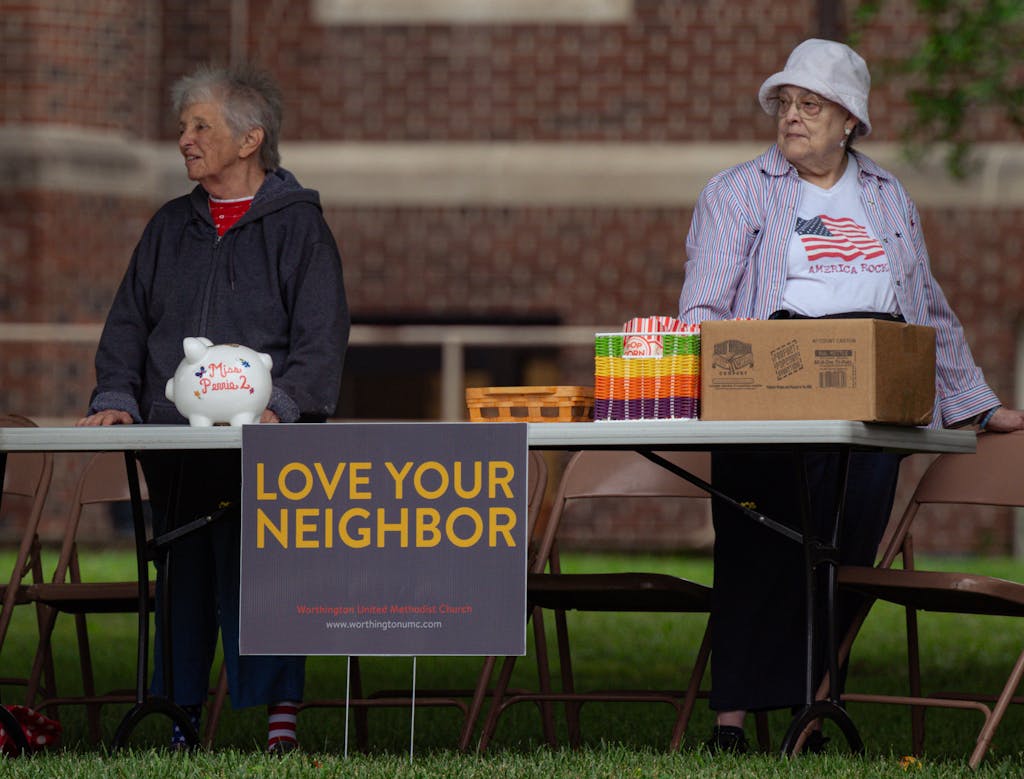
(651, 79)
(675, 72)
(579, 265)
(86, 63)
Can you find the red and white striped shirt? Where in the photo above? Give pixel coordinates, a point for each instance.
(226, 212)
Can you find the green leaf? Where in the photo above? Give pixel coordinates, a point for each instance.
(968, 60)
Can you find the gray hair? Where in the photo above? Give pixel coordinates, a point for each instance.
(248, 97)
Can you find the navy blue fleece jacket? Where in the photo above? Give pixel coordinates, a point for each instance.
(273, 283)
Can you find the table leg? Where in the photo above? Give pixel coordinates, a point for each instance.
(146, 704)
(820, 710)
(750, 513)
(818, 554)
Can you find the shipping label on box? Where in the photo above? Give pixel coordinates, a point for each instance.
(860, 369)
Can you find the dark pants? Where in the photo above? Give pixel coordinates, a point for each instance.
(204, 571)
(758, 650)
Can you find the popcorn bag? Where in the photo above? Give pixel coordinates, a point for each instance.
(649, 371)
(644, 339)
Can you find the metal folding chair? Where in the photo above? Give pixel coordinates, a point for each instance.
(989, 477)
(606, 476)
(25, 485)
(103, 481)
(467, 700)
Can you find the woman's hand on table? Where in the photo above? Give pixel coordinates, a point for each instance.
(114, 417)
(1006, 420)
(104, 418)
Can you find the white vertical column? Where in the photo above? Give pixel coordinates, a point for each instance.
(1018, 402)
(453, 379)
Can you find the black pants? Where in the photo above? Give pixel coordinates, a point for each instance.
(205, 586)
(758, 649)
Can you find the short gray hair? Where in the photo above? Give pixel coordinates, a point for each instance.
(248, 97)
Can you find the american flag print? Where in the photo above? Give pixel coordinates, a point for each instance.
(828, 238)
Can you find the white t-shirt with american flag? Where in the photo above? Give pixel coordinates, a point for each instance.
(835, 263)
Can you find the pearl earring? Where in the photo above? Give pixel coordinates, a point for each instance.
(846, 137)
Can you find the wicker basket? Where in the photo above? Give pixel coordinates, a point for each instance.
(530, 404)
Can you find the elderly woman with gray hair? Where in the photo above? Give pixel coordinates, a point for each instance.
(811, 228)
(246, 257)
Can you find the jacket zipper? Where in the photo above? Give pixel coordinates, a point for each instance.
(208, 293)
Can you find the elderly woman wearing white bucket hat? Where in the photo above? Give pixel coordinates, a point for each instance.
(811, 228)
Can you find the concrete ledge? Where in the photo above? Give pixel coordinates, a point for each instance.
(460, 174)
(503, 12)
(509, 174)
(81, 160)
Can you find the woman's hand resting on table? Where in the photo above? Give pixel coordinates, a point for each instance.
(1006, 420)
(114, 417)
(106, 417)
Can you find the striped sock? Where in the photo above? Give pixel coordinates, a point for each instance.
(177, 736)
(281, 721)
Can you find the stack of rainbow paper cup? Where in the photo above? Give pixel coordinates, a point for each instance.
(651, 370)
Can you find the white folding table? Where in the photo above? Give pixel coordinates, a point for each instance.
(646, 437)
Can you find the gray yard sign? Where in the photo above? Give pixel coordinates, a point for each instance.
(384, 539)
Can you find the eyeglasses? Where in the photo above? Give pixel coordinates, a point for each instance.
(806, 107)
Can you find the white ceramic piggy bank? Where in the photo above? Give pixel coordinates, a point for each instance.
(222, 383)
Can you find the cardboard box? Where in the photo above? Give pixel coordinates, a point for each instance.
(861, 369)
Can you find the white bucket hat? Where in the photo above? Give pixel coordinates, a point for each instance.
(831, 69)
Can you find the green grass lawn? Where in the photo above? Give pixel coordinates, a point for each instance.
(609, 650)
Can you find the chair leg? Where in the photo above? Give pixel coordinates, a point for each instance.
(85, 661)
(917, 713)
(49, 672)
(572, 708)
(497, 701)
(484, 680)
(477, 703)
(88, 681)
(27, 560)
(42, 624)
(696, 677)
(544, 677)
(42, 663)
(992, 722)
(215, 707)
